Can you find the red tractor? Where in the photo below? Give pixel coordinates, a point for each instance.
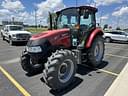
(72, 39)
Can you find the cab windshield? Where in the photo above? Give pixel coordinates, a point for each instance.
(67, 18)
(13, 28)
(70, 17)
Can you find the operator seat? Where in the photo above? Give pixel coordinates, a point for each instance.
(83, 28)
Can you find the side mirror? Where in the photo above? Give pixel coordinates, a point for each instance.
(6, 30)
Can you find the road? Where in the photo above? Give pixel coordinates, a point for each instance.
(88, 81)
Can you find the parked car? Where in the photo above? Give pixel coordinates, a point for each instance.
(116, 36)
(15, 33)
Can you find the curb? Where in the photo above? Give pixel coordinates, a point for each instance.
(120, 86)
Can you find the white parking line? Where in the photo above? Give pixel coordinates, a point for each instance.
(10, 61)
(117, 56)
(117, 48)
(102, 70)
(108, 72)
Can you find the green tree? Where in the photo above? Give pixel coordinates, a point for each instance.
(105, 26)
(118, 28)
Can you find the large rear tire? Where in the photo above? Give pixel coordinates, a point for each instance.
(96, 52)
(28, 66)
(60, 69)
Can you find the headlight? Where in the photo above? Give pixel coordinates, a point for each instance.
(35, 49)
(13, 35)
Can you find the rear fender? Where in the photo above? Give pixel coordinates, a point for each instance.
(92, 36)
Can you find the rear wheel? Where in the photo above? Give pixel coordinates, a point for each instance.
(28, 66)
(60, 69)
(107, 39)
(96, 52)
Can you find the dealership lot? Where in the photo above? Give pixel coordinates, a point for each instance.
(88, 81)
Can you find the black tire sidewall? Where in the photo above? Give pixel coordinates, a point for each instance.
(55, 83)
(25, 63)
(56, 75)
(10, 41)
(107, 40)
(91, 58)
(3, 37)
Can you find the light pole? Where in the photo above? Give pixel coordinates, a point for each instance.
(76, 3)
(35, 20)
(118, 21)
(100, 18)
(40, 23)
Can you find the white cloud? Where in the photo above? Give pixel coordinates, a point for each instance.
(12, 5)
(49, 5)
(107, 2)
(120, 12)
(15, 8)
(4, 12)
(105, 17)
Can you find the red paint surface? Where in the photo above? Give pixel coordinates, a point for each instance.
(60, 37)
(92, 36)
(48, 33)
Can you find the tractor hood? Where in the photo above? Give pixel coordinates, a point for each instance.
(48, 34)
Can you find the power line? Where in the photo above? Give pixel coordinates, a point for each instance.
(76, 3)
(36, 20)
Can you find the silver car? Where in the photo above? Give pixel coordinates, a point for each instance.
(116, 36)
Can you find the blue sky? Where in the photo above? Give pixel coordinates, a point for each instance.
(112, 12)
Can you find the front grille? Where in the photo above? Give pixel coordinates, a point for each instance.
(23, 36)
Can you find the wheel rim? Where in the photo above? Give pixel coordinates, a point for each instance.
(107, 39)
(34, 65)
(10, 41)
(98, 51)
(65, 70)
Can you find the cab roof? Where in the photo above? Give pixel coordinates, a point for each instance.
(90, 8)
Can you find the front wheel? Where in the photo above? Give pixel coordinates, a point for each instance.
(10, 41)
(3, 37)
(96, 52)
(60, 69)
(28, 66)
(107, 40)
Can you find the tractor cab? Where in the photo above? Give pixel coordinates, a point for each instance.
(80, 21)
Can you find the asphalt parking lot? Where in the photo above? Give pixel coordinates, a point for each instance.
(88, 81)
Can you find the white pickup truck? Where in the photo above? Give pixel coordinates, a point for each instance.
(15, 33)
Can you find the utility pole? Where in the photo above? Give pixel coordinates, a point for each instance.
(76, 3)
(100, 18)
(40, 23)
(35, 20)
(95, 4)
(118, 21)
(13, 20)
